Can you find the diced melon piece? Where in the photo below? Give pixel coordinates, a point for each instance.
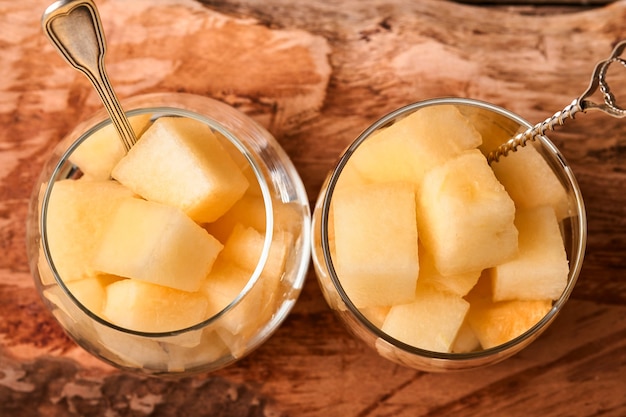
(494, 128)
(410, 147)
(99, 153)
(541, 269)
(78, 212)
(210, 350)
(133, 351)
(350, 176)
(180, 162)
(530, 181)
(145, 307)
(222, 286)
(90, 292)
(430, 322)
(466, 340)
(245, 245)
(465, 217)
(459, 284)
(376, 243)
(376, 314)
(156, 243)
(249, 211)
(497, 323)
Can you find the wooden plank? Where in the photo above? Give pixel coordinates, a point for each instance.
(316, 74)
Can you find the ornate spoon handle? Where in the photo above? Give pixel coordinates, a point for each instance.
(582, 103)
(75, 29)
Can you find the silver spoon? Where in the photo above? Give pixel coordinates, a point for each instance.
(582, 103)
(75, 29)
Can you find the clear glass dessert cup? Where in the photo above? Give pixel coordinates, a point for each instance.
(488, 120)
(248, 319)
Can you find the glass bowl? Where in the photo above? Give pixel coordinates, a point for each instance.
(498, 125)
(276, 207)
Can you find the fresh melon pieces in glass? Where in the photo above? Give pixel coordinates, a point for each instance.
(430, 322)
(91, 292)
(459, 284)
(409, 148)
(530, 181)
(233, 270)
(376, 243)
(178, 161)
(465, 216)
(78, 213)
(436, 248)
(540, 270)
(498, 323)
(99, 153)
(156, 243)
(145, 307)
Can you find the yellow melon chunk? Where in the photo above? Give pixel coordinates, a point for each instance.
(222, 286)
(156, 243)
(459, 284)
(180, 162)
(376, 243)
(430, 322)
(376, 314)
(245, 245)
(465, 217)
(249, 210)
(497, 323)
(409, 148)
(78, 211)
(145, 307)
(91, 292)
(541, 269)
(531, 182)
(466, 340)
(99, 153)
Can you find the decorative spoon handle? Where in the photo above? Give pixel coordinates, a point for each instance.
(582, 103)
(75, 29)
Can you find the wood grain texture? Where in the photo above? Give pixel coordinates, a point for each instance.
(315, 74)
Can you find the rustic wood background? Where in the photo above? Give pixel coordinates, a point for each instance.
(315, 74)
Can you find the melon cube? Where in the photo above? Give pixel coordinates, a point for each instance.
(497, 323)
(99, 153)
(465, 217)
(133, 351)
(376, 243)
(376, 314)
(211, 349)
(459, 284)
(156, 243)
(466, 340)
(245, 246)
(180, 162)
(540, 270)
(249, 210)
(430, 322)
(146, 307)
(91, 292)
(530, 181)
(78, 211)
(410, 147)
(222, 286)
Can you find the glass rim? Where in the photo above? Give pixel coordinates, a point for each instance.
(158, 111)
(575, 264)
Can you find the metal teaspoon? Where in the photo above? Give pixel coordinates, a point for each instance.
(582, 103)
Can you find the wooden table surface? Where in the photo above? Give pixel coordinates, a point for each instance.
(315, 74)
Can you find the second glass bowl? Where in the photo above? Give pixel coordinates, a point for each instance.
(496, 125)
